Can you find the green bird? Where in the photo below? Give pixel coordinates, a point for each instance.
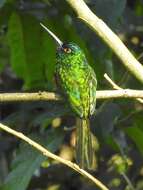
(78, 83)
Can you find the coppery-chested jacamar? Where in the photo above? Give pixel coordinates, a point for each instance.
(78, 82)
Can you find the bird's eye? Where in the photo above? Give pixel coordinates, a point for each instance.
(67, 50)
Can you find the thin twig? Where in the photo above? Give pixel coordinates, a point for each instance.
(108, 36)
(128, 181)
(115, 86)
(47, 153)
(112, 83)
(140, 56)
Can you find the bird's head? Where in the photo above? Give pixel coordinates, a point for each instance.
(65, 50)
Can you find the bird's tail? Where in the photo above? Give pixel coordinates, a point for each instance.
(84, 144)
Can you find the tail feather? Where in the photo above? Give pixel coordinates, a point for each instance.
(84, 145)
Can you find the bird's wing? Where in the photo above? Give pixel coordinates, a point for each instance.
(82, 93)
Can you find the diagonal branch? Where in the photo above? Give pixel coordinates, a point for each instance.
(108, 36)
(48, 154)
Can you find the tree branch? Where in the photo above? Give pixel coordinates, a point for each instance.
(51, 96)
(109, 37)
(29, 97)
(48, 154)
(115, 86)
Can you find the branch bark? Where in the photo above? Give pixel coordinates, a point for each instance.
(28, 97)
(51, 96)
(48, 154)
(115, 86)
(108, 36)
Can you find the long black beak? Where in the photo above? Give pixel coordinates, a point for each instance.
(60, 43)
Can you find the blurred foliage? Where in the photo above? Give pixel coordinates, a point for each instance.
(23, 168)
(27, 61)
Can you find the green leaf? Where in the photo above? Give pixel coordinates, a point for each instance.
(139, 8)
(136, 135)
(28, 160)
(48, 51)
(35, 76)
(16, 43)
(32, 52)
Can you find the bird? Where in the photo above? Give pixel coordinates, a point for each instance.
(77, 81)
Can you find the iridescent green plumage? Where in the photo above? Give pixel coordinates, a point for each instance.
(77, 79)
(78, 82)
